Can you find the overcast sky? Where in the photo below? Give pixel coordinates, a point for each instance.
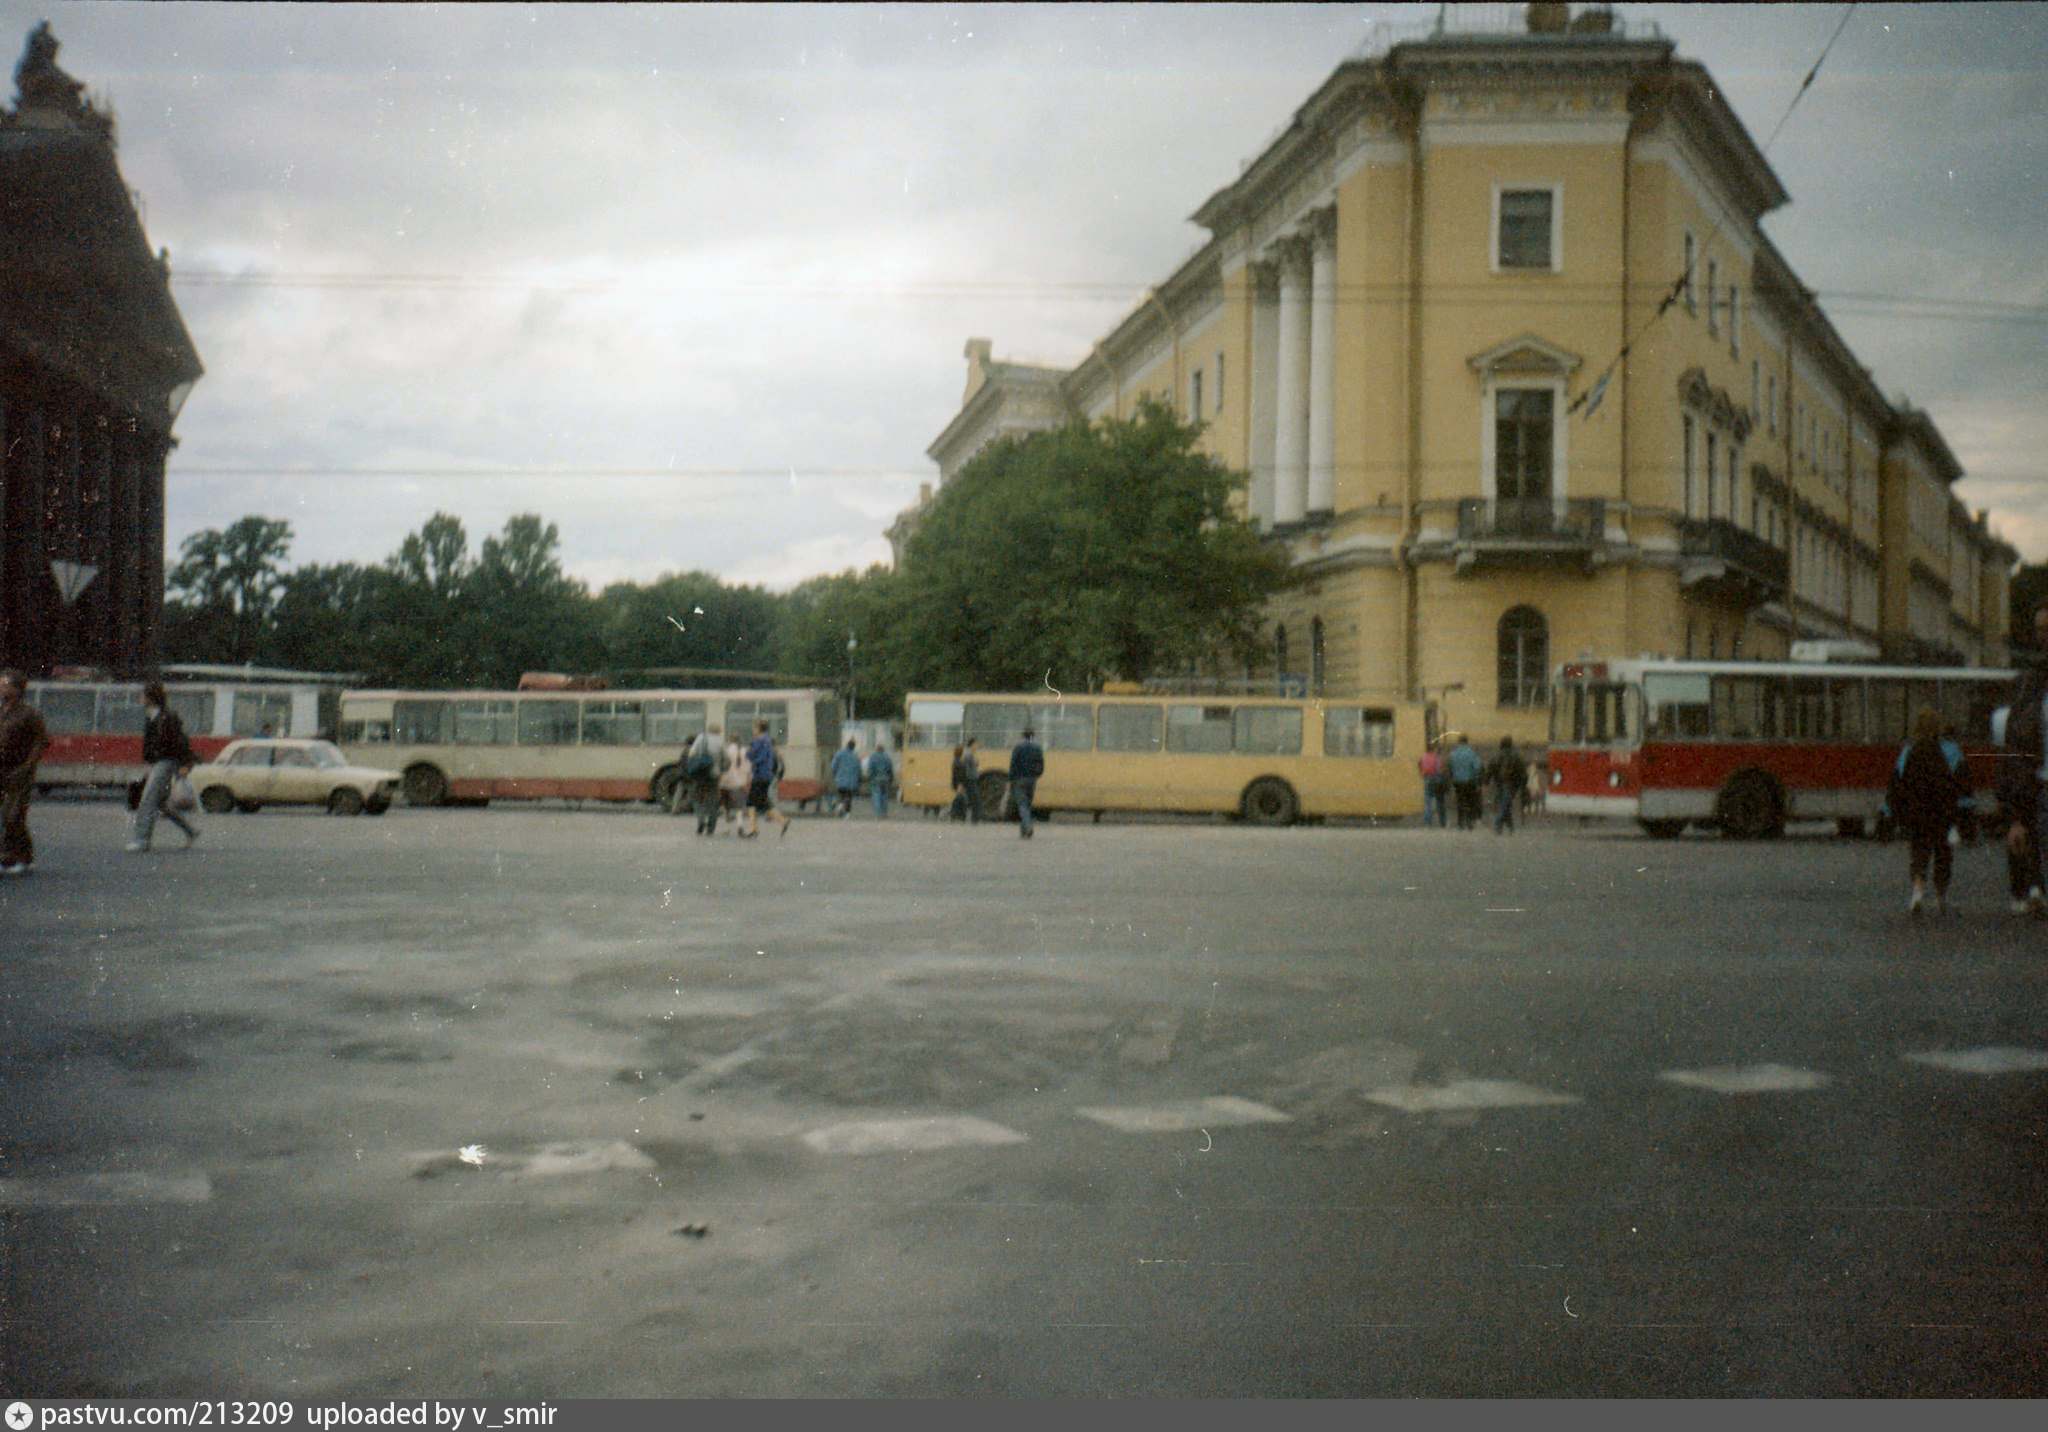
(693, 281)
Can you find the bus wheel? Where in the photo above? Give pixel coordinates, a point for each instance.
(1269, 801)
(1750, 807)
(993, 789)
(216, 800)
(345, 801)
(425, 786)
(663, 791)
(1662, 829)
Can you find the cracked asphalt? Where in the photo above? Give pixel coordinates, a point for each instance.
(540, 1102)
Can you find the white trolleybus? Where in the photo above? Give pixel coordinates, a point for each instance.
(96, 726)
(1266, 760)
(1747, 745)
(609, 745)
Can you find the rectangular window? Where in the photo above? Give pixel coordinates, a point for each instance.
(484, 723)
(1734, 321)
(934, 726)
(1522, 443)
(1692, 262)
(262, 713)
(547, 723)
(1195, 395)
(1771, 404)
(66, 709)
(1686, 442)
(1128, 728)
(1064, 725)
(671, 722)
(613, 723)
(1366, 731)
(1267, 731)
(421, 723)
(1713, 471)
(740, 717)
(1526, 228)
(1204, 730)
(1713, 298)
(120, 711)
(1219, 382)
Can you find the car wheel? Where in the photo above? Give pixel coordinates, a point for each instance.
(425, 786)
(248, 807)
(346, 800)
(1270, 801)
(216, 800)
(377, 805)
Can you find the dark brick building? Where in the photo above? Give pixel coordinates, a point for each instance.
(94, 364)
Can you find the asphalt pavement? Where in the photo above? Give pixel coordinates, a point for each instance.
(534, 1101)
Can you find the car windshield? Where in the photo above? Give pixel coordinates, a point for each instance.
(320, 753)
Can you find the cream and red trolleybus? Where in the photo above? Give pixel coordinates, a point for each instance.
(1748, 745)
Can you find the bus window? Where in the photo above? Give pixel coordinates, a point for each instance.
(613, 723)
(1984, 697)
(1064, 725)
(1678, 704)
(1848, 696)
(262, 713)
(934, 726)
(998, 725)
(1357, 731)
(66, 708)
(193, 708)
(484, 723)
(1200, 729)
(1739, 713)
(547, 723)
(1268, 731)
(1128, 728)
(673, 723)
(120, 710)
(420, 723)
(740, 717)
(1810, 713)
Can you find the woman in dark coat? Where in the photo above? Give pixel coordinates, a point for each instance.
(1926, 789)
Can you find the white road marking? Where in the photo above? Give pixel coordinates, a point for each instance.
(1748, 1079)
(1461, 1094)
(879, 1136)
(1219, 1112)
(99, 1190)
(1993, 1059)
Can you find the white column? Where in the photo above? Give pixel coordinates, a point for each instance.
(1290, 435)
(1322, 369)
(1259, 390)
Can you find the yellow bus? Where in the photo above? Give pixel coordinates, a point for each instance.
(474, 746)
(1267, 760)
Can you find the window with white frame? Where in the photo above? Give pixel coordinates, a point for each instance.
(1524, 443)
(1522, 647)
(1525, 229)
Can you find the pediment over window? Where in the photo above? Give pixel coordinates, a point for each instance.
(1526, 354)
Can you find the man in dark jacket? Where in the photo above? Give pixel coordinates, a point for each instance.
(2021, 786)
(168, 755)
(1027, 764)
(23, 739)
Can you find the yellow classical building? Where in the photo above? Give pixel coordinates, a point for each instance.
(1517, 377)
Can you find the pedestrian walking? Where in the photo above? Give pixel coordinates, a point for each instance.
(1027, 764)
(763, 767)
(703, 763)
(1467, 769)
(1436, 784)
(23, 739)
(2023, 778)
(169, 756)
(736, 776)
(967, 782)
(881, 778)
(1509, 775)
(1925, 789)
(846, 776)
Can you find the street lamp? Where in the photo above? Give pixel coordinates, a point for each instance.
(852, 689)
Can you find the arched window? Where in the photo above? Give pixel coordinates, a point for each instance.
(1524, 649)
(1315, 654)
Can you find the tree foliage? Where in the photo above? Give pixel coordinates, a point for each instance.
(226, 585)
(1110, 550)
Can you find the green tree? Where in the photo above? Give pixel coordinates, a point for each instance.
(225, 586)
(687, 621)
(1111, 550)
(529, 614)
(822, 615)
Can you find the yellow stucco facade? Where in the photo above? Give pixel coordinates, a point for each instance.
(1516, 376)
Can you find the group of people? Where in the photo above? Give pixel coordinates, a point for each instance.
(1458, 780)
(24, 736)
(848, 770)
(1027, 764)
(724, 781)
